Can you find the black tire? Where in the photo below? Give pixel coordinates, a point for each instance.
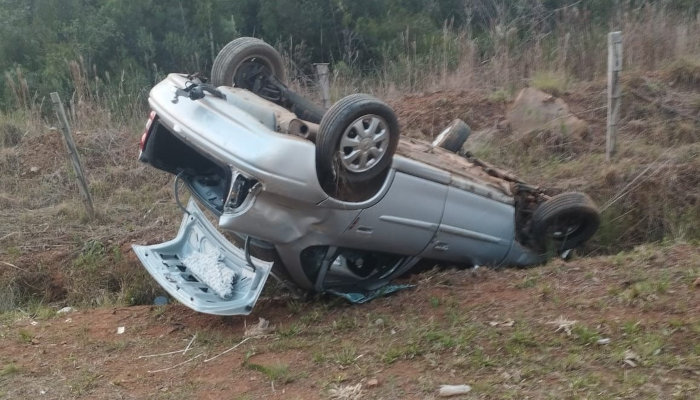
(241, 51)
(573, 212)
(339, 121)
(454, 136)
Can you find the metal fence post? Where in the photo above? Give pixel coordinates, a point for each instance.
(614, 90)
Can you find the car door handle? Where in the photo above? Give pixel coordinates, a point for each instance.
(441, 246)
(365, 231)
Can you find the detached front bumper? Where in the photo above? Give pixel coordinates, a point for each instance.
(198, 236)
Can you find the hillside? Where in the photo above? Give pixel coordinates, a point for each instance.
(636, 284)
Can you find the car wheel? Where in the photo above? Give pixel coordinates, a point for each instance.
(567, 221)
(453, 137)
(356, 141)
(242, 60)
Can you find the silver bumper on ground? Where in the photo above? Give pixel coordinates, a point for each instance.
(197, 235)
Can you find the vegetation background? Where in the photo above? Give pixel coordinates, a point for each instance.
(124, 46)
(432, 60)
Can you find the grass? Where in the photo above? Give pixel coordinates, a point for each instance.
(550, 82)
(279, 373)
(685, 70)
(10, 369)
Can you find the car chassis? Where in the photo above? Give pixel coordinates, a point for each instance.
(327, 200)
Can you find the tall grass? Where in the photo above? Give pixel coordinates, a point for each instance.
(567, 42)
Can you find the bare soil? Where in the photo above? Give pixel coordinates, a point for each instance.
(510, 334)
(494, 330)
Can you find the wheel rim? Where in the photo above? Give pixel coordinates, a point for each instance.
(565, 228)
(251, 66)
(364, 143)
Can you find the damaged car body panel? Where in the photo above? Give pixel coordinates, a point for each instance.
(173, 264)
(343, 206)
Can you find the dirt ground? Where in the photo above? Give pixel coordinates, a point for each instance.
(624, 326)
(612, 326)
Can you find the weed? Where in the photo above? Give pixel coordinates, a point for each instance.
(290, 330)
(295, 307)
(347, 356)
(10, 369)
(278, 373)
(402, 352)
(345, 323)
(434, 302)
(528, 282)
(501, 96)
(585, 335)
(550, 82)
(26, 336)
(440, 340)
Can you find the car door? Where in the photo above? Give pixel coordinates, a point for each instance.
(474, 229)
(403, 222)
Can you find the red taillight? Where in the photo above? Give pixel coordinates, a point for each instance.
(149, 123)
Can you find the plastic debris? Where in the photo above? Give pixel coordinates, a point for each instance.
(66, 310)
(563, 325)
(262, 328)
(453, 390)
(160, 301)
(631, 358)
(603, 341)
(120, 330)
(359, 298)
(348, 392)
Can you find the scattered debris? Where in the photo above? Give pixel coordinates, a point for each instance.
(66, 310)
(178, 365)
(563, 325)
(348, 392)
(262, 328)
(160, 301)
(183, 351)
(603, 341)
(120, 330)
(506, 324)
(231, 349)
(631, 358)
(373, 383)
(453, 390)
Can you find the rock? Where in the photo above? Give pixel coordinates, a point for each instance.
(34, 170)
(603, 341)
(373, 383)
(454, 390)
(66, 310)
(379, 321)
(536, 114)
(697, 282)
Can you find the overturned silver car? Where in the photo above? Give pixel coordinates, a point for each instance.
(327, 200)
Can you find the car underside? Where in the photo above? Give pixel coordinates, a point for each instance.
(327, 200)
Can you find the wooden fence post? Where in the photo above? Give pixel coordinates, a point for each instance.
(73, 154)
(324, 81)
(614, 90)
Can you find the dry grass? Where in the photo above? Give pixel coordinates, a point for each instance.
(496, 331)
(44, 228)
